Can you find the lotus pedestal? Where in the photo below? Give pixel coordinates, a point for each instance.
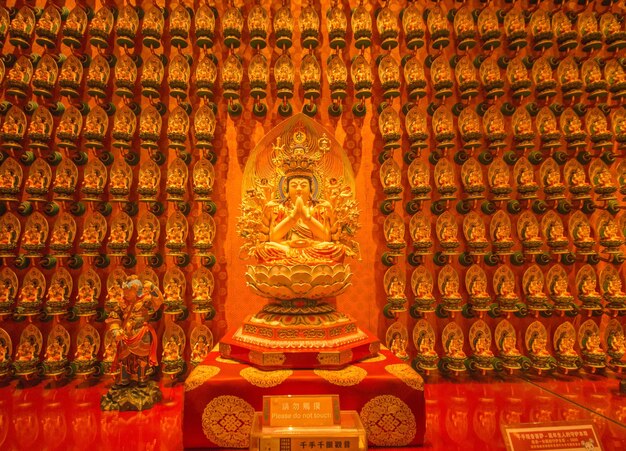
(299, 334)
(298, 329)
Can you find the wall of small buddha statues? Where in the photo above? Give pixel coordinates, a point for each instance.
(486, 141)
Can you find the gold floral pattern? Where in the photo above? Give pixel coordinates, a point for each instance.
(407, 375)
(200, 375)
(265, 379)
(228, 361)
(388, 421)
(351, 375)
(377, 358)
(227, 420)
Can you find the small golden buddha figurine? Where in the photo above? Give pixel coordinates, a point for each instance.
(33, 236)
(31, 293)
(612, 291)
(610, 236)
(539, 347)
(91, 234)
(87, 293)
(119, 180)
(200, 350)
(506, 295)
(592, 351)
(61, 235)
(58, 292)
(509, 345)
(552, 184)
(146, 235)
(448, 235)
(582, 234)
(148, 180)
(565, 346)
(55, 351)
(171, 350)
(176, 233)
(454, 347)
(86, 350)
(526, 184)
(616, 346)
(450, 293)
(534, 291)
(482, 346)
(203, 234)
(423, 292)
(93, 182)
(556, 236)
(587, 289)
(529, 235)
(398, 347)
(118, 234)
(578, 184)
(502, 233)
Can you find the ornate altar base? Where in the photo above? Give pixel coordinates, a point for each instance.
(299, 334)
(221, 396)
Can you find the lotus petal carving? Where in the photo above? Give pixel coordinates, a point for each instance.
(299, 281)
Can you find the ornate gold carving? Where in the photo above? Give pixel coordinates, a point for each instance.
(265, 379)
(329, 358)
(388, 421)
(200, 375)
(407, 375)
(267, 358)
(351, 375)
(226, 421)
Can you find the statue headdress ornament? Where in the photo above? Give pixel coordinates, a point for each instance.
(296, 159)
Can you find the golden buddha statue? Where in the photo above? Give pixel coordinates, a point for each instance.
(31, 292)
(454, 348)
(538, 346)
(171, 349)
(591, 344)
(587, 288)
(616, 344)
(58, 291)
(33, 236)
(509, 345)
(200, 349)
(119, 233)
(146, 234)
(565, 346)
(502, 233)
(91, 234)
(61, 235)
(119, 180)
(482, 346)
(86, 350)
(55, 350)
(87, 293)
(299, 228)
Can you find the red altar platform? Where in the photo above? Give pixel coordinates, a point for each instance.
(221, 396)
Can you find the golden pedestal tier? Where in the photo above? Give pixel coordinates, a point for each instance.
(299, 333)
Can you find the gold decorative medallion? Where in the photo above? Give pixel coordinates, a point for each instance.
(388, 421)
(407, 375)
(265, 379)
(226, 421)
(200, 375)
(351, 375)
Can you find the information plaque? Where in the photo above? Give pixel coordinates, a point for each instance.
(290, 423)
(557, 436)
(301, 410)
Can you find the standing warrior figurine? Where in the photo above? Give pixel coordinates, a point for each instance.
(137, 347)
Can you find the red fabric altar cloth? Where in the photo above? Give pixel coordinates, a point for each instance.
(221, 396)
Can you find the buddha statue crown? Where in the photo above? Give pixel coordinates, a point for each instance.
(297, 159)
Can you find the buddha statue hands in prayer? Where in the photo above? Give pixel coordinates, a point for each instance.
(299, 228)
